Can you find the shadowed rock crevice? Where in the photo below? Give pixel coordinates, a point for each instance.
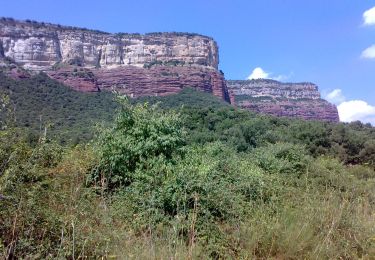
(1, 50)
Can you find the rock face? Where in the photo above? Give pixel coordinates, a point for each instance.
(154, 64)
(273, 88)
(39, 46)
(87, 60)
(300, 100)
(136, 82)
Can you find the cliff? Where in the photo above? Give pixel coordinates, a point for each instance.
(90, 60)
(39, 46)
(154, 64)
(301, 100)
(137, 82)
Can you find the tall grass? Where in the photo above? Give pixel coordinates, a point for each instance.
(142, 193)
(315, 216)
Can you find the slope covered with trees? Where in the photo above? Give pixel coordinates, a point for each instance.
(203, 180)
(69, 116)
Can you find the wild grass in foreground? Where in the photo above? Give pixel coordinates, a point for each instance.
(141, 191)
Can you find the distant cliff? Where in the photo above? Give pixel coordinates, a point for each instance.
(154, 64)
(85, 59)
(39, 46)
(267, 96)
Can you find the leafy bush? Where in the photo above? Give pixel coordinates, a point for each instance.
(209, 186)
(28, 227)
(140, 134)
(158, 182)
(236, 185)
(282, 158)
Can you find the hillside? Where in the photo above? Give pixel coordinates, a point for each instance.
(182, 176)
(69, 116)
(202, 181)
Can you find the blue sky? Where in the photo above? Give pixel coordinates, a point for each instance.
(313, 40)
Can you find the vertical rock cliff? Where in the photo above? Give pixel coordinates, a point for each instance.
(154, 64)
(87, 60)
(266, 96)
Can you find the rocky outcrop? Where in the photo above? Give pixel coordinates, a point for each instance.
(161, 80)
(40, 46)
(80, 79)
(154, 64)
(135, 64)
(273, 88)
(136, 82)
(301, 100)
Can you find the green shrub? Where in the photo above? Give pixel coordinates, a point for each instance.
(209, 186)
(141, 134)
(28, 227)
(282, 158)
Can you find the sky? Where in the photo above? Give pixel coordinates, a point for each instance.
(328, 42)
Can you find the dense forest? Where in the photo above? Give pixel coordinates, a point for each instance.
(95, 175)
(69, 116)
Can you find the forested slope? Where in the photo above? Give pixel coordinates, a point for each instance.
(187, 178)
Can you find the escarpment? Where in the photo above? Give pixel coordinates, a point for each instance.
(301, 100)
(153, 64)
(137, 82)
(88, 60)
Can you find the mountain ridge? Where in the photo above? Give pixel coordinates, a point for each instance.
(301, 100)
(151, 64)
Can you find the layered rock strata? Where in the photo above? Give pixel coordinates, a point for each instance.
(136, 82)
(40, 46)
(135, 64)
(301, 100)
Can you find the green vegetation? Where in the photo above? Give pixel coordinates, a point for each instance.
(240, 98)
(198, 181)
(172, 63)
(68, 115)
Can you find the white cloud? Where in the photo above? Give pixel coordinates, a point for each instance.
(335, 96)
(351, 110)
(259, 73)
(369, 17)
(354, 110)
(369, 53)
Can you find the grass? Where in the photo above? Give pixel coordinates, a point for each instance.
(316, 216)
(241, 187)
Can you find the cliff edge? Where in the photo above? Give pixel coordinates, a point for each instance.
(301, 100)
(135, 64)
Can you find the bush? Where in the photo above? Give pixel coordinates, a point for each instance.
(141, 133)
(28, 226)
(282, 158)
(211, 185)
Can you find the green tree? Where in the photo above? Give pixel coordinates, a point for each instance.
(141, 133)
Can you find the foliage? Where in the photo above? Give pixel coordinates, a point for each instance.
(25, 220)
(70, 116)
(201, 180)
(140, 133)
(282, 158)
(41, 102)
(172, 63)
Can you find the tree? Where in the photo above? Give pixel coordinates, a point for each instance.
(140, 134)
